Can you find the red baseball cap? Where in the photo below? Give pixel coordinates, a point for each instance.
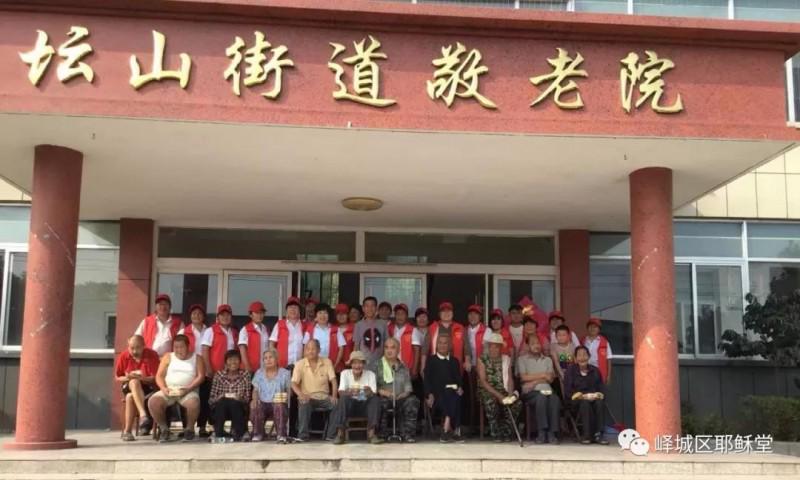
(311, 300)
(256, 307)
(594, 321)
(197, 306)
(163, 297)
(342, 308)
(401, 306)
(445, 306)
(497, 313)
(292, 301)
(224, 308)
(419, 311)
(555, 314)
(475, 308)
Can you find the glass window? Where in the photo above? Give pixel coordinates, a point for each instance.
(187, 289)
(610, 244)
(94, 302)
(243, 289)
(15, 226)
(773, 240)
(544, 4)
(396, 289)
(781, 279)
(542, 292)
(604, 6)
(257, 244)
(449, 248)
(777, 10)
(682, 8)
(684, 308)
(330, 287)
(708, 239)
(610, 300)
(719, 304)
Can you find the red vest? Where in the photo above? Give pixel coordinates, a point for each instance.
(456, 339)
(602, 355)
(283, 341)
(219, 346)
(347, 333)
(479, 341)
(254, 346)
(333, 340)
(188, 331)
(406, 348)
(150, 329)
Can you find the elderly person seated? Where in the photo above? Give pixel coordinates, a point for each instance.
(496, 389)
(535, 370)
(136, 370)
(357, 389)
(270, 397)
(584, 390)
(395, 390)
(230, 394)
(179, 376)
(311, 378)
(443, 388)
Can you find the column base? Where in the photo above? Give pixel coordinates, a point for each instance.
(54, 445)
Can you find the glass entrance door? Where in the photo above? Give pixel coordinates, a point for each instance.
(242, 288)
(395, 288)
(509, 289)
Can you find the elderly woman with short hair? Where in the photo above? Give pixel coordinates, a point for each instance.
(270, 397)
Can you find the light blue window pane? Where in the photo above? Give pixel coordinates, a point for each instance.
(682, 8)
(395, 290)
(94, 306)
(604, 6)
(708, 239)
(554, 5)
(610, 244)
(15, 225)
(774, 240)
(776, 10)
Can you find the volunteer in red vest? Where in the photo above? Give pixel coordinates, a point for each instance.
(346, 327)
(405, 333)
(194, 336)
(136, 370)
(496, 321)
(310, 310)
(599, 349)
(515, 328)
(287, 336)
(422, 328)
(194, 331)
(159, 328)
(218, 339)
(446, 326)
(476, 331)
(331, 340)
(254, 338)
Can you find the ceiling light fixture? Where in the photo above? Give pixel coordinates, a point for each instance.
(362, 204)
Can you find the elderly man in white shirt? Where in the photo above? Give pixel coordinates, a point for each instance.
(357, 392)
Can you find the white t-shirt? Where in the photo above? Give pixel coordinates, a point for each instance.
(593, 346)
(323, 336)
(295, 344)
(516, 335)
(162, 343)
(244, 337)
(208, 337)
(472, 333)
(367, 379)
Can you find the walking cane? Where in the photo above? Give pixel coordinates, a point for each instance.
(511, 417)
(394, 437)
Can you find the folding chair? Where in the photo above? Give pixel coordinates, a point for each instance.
(174, 413)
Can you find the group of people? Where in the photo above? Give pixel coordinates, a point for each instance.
(372, 362)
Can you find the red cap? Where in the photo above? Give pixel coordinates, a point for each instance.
(555, 314)
(292, 301)
(197, 306)
(311, 300)
(342, 308)
(475, 308)
(497, 313)
(163, 297)
(595, 321)
(419, 311)
(445, 306)
(257, 307)
(224, 308)
(401, 306)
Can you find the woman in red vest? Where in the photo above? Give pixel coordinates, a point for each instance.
(194, 331)
(599, 349)
(287, 336)
(159, 328)
(496, 321)
(254, 338)
(404, 332)
(344, 326)
(455, 329)
(331, 341)
(217, 340)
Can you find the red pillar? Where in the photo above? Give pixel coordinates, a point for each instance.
(49, 287)
(655, 349)
(573, 265)
(133, 291)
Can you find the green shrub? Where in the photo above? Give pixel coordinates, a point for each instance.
(777, 416)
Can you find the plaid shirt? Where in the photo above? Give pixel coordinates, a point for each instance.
(223, 383)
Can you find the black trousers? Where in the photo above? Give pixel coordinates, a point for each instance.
(592, 415)
(348, 407)
(449, 405)
(204, 418)
(233, 410)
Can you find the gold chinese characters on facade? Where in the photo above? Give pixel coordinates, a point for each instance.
(357, 77)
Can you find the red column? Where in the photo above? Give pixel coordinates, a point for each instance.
(49, 286)
(655, 349)
(573, 265)
(133, 291)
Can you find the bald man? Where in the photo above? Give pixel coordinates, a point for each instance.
(136, 370)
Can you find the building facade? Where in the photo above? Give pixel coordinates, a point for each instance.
(194, 181)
